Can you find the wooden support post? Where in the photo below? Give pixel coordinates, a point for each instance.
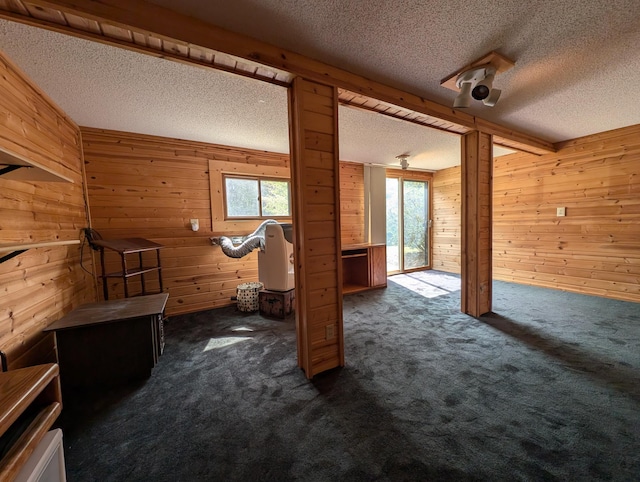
(477, 166)
(313, 109)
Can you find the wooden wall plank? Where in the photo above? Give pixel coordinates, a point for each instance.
(318, 273)
(151, 186)
(594, 249)
(352, 222)
(476, 223)
(446, 219)
(39, 286)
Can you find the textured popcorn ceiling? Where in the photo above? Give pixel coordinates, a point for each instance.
(577, 61)
(576, 64)
(111, 88)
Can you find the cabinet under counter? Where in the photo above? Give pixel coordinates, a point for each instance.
(364, 267)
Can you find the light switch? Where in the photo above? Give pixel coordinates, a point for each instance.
(561, 212)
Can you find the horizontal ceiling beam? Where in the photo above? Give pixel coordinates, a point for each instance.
(92, 30)
(152, 19)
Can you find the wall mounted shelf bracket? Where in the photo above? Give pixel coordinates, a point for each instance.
(16, 167)
(14, 250)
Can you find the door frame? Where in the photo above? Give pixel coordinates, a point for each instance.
(408, 175)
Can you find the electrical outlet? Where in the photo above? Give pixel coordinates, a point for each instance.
(329, 332)
(561, 212)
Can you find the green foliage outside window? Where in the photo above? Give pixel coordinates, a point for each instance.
(242, 197)
(275, 198)
(256, 198)
(415, 220)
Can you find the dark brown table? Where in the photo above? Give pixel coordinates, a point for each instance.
(110, 342)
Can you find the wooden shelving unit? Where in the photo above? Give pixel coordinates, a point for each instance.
(124, 248)
(16, 167)
(364, 267)
(30, 403)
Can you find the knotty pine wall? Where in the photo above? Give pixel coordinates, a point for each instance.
(352, 203)
(447, 231)
(150, 187)
(40, 285)
(595, 248)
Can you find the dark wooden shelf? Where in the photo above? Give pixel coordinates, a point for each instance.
(128, 245)
(124, 247)
(133, 272)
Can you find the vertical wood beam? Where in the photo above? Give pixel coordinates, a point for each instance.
(313, 111)
(477, 165)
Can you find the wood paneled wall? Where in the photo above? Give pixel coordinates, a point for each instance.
(40, 285)
(150, 187)
(352, 223)
(595, 248)
(446, 219)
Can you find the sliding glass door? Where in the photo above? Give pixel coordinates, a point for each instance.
(394, 230)
(407, 224)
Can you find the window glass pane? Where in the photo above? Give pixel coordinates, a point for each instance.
(242, 197)
(275, 198)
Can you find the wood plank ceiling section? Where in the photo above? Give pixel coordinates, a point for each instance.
(235, 54)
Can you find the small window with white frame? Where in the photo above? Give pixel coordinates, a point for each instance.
(251, 197)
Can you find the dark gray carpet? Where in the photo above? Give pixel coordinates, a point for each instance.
(547, 388)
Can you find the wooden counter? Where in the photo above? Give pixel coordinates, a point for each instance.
(30, 401)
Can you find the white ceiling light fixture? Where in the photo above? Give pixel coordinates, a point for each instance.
(477, 83)
(476, 80)
(403, 160)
